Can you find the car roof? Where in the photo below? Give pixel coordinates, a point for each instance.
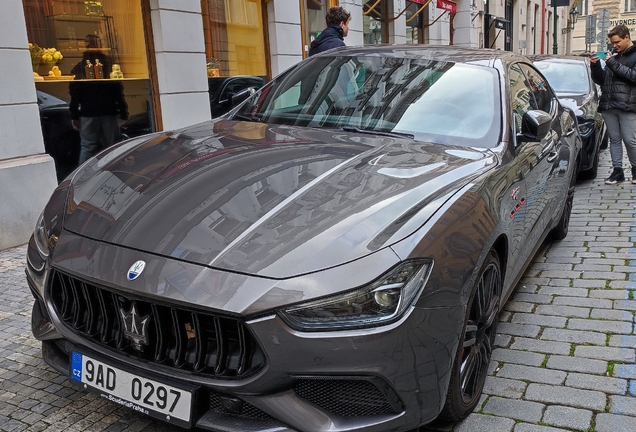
(483, 56)
(558, 58)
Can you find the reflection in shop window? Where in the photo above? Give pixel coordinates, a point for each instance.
(234, 37)
(373, 19)
(74, 31)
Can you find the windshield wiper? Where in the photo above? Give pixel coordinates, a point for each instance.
(377, 132)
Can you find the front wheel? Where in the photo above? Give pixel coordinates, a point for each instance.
(560, 231)
(470, 366)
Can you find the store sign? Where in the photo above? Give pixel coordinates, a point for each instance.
(447, 5)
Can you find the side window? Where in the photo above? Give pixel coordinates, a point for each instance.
(540, 89)
(521, 94)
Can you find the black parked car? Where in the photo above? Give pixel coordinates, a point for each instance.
(571, 79)
(61, 141)
(331, 255)
(221, 90)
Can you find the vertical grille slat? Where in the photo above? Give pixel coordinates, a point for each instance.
(243, 349)
(219, 369)
(160, 347)
(76, 307)
(118, 331)
(187, 339)
(181, 339)
(104, 318)
(66, 305)
(91, 307)
(201, 343)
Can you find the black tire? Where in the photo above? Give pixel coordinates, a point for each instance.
(591, 173)
(560, 231)
(470, 366)
(605, 142)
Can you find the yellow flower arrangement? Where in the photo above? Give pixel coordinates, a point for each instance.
(39, 55)
(50, 56)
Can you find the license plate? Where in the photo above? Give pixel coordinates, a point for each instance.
(148, 396)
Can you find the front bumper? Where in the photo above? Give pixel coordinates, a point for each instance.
(388, 378)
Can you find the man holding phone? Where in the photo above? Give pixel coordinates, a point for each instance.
(617, 105)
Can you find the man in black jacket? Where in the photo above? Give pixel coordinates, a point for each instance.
(98, 107)
(333, 36)
(618, 99)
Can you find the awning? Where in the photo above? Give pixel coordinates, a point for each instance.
(447, 5)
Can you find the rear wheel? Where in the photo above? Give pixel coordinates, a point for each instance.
(470, 366)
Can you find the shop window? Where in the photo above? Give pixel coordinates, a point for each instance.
(414, 30)
(234, 37)
(630, 5)
(374, 27)
(63, 35)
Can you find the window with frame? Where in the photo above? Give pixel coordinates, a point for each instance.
(234, 37)
(374, 22)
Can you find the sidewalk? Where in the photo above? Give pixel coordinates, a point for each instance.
(565, 349)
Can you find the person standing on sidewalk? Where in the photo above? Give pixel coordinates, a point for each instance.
(618, 99)
(333, 36)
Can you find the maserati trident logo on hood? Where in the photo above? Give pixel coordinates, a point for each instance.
(135, 326)
(135, 270)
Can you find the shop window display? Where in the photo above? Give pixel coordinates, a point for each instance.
(74, 41)
(234, 38)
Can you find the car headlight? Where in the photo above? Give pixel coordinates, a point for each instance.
(380, 302)
(40, 235)
(586, 128)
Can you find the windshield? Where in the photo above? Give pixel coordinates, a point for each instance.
(435, 101)
(566, 77)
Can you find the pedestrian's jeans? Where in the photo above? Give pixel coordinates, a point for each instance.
(621, 126)
(97, 133)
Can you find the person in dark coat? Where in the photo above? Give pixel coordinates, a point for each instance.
(98, 107)
(333, 36)
(618, 99)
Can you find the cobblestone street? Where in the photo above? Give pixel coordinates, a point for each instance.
(566, 343)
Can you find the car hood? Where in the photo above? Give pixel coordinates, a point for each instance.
(266, 200)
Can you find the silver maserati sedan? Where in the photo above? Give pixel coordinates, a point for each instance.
(331, 255)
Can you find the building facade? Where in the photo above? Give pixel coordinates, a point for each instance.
(164, 52)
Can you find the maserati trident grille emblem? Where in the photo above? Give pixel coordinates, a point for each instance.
(135, 270)
(135, 327)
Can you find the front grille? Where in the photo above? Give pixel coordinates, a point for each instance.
(347, 396)
(185, 339)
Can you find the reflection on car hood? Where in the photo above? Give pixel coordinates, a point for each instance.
(267, 200)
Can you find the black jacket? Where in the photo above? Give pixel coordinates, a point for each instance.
(617, 81)
(331, 37)
(95, 98)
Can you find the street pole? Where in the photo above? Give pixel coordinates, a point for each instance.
(555, 47)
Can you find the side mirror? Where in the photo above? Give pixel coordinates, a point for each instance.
(239, 97)
(535, 125)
